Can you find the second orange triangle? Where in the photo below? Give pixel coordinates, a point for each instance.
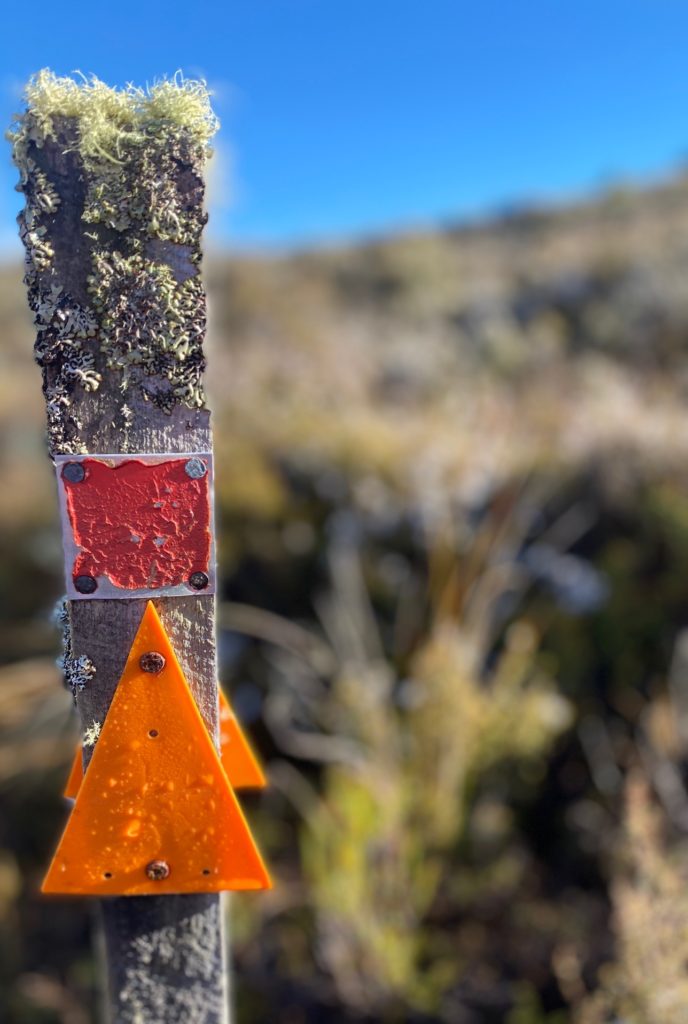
(238, 760)
(155, 812)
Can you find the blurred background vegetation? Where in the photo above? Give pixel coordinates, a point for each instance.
(453, 515)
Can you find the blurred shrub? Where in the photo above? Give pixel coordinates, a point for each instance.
(648, 983)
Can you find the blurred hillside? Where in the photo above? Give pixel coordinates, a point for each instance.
(454, 548)
(587, 303)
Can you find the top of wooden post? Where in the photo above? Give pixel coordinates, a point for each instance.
(113, 182)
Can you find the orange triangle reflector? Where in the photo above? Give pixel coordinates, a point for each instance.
(238, 760)
(155, 812)
(76, 774)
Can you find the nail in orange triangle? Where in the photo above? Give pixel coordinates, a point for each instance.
(155, 812)
(238, 760)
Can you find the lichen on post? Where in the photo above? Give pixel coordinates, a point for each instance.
(112, 225)
(113, 183)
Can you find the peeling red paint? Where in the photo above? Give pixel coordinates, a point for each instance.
(140, 525)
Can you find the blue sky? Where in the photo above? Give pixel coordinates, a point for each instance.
(343, 118)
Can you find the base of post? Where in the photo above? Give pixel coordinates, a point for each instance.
(165, 959)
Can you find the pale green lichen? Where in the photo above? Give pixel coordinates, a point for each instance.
(152, 324)
(140, 155)
(91, 734)
(112, 120)
(62, 328)
(78, 672)
(39, 251)
(129, 141)
(47, 198)
(40, 198)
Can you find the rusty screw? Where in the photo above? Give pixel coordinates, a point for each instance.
(74, 472)
(152, 661)
(195, 468)
(85, 584)
(198, 580)
(158, 870)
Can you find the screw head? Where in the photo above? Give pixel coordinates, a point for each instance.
(195, 468)
(158, 870)
(152, 661)
(74, 472)
(198, 580)
(85, 584)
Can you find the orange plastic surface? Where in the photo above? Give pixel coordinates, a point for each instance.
(76, 774)
(155, 791)
(238, 760)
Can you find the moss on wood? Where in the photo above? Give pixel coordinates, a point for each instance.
(114, 177)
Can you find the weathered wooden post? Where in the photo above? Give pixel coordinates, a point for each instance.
(113, 184)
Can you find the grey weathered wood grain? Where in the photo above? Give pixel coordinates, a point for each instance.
(162, 970)
(165, 955)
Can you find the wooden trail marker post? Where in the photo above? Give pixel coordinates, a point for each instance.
(113, 183)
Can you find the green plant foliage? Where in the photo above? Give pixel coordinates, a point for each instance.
(377, 844)
(648, 984)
